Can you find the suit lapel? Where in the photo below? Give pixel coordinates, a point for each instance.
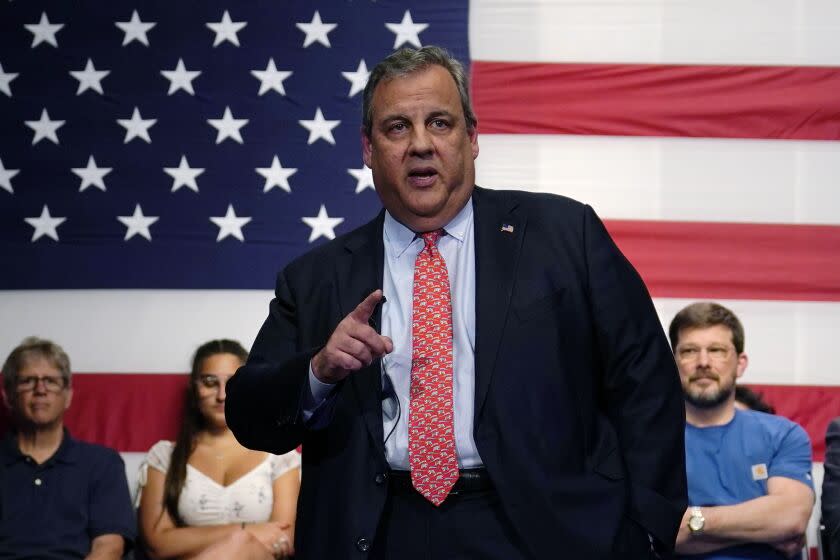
(359, 272)
(499, 231)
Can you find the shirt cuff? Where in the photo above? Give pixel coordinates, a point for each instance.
(316, 395)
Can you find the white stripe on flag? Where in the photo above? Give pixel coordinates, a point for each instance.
(693, 179)
(132, 331)
(148, 331)
(775, 32)
(786, 342)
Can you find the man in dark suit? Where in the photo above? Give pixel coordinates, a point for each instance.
(513, 397)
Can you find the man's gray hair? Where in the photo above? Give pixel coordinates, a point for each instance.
(407, 61)
(34, 348)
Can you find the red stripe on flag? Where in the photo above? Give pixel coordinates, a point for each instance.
(125, 411)
(733, 260)
(790, 102)
(812, 407)
(131, 412)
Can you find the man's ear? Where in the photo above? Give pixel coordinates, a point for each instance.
(69, 399)
(367, 148)
(742, 365)
(474, 141)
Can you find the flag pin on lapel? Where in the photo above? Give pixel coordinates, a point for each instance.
(507, 228)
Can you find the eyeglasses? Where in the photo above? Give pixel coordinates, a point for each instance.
(52, 384)
(716, 353)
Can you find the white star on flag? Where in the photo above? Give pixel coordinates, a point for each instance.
(45, 225)
(44, 31)
(226, 30)
(322, 224)
(364, 178)
(358, 79)
(319, 128)
(407, 31)
(92, 175)
(137, 127)
(137, 224)
(6, 177)
(271, 78)
(180, 78)
(6, 79)
(316, 30)
(135, 30)
(228, 127)
(184, 175)
(230, 224)
(276, 175)
(89, 78)
(45, 128)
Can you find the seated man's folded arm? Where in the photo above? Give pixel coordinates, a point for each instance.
(778, 519)
(106, 547)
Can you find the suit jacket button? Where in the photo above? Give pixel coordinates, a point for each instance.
(380, 478)
(363, 544)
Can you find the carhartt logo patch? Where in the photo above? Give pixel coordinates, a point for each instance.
(759, 471)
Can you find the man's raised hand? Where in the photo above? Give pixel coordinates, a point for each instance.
(354, 344)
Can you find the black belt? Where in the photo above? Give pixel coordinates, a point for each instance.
(469, 480)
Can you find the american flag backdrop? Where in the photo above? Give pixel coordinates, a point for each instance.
(161, 161)
(189, 145)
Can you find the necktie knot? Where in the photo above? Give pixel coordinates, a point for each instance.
(430, 238)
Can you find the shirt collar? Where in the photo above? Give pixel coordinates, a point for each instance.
(400, 237)
(67, 451)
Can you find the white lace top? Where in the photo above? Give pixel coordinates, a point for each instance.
(204, 501)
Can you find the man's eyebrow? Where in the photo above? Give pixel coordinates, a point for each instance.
(403, 116)
(392, 117)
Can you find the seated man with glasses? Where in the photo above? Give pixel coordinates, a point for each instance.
(749, 473)
(59, 497)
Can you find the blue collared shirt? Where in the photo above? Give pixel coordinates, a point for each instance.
(54, 510)
(401, 249)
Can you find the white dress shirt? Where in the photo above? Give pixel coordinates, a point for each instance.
(401, 249)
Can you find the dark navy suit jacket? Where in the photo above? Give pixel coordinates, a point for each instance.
(579, 415)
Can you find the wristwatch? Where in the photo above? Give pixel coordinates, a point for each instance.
(696, 521)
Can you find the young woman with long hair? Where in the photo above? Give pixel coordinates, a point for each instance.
(206, 496)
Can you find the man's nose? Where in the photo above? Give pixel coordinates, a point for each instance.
(421, 141)
(221, 395)
(703, 358)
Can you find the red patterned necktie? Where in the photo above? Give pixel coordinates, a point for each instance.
(431, 415)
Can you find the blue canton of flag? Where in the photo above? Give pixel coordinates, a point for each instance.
(188, 144)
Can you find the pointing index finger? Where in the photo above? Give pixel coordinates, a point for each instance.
(365, 309)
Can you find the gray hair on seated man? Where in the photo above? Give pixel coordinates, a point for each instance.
(34, 347)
